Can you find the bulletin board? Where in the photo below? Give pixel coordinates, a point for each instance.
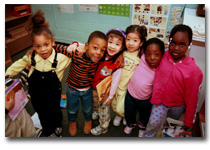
(114, 9)
(153, 16)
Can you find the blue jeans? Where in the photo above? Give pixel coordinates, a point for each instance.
(73, 101)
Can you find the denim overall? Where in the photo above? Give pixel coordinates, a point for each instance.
(45, 92)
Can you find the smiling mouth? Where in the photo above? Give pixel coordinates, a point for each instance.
(44, 54)
(111, 51)
(130, 47)
(96, 58)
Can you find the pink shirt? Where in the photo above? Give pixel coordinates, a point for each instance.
(178, 84)
(141, 83)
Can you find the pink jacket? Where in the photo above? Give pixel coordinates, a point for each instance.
(178, 84)
(141, 83)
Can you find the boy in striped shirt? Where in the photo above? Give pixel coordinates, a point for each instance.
(80, 78)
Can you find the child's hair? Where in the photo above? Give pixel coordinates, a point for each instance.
(141, 31)
(97, 34)
(182, 28)
(38, 26)
(119, 34)
(116, 33)
(155, 41)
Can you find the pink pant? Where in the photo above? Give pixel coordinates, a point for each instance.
(157, 115)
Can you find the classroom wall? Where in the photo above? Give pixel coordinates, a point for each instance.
(78, 26)
(68, 27)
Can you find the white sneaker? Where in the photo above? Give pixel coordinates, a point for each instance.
(128, 129)
(95, 115)
(141, 133)
(117, 120)
(98, 130)
(124, 122)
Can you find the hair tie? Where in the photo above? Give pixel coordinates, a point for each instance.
(116, 29)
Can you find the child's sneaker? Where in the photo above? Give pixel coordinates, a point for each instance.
(117, 120)
(124, 121)
(58, 131)
(98, 130)
(52, 135)
(128, 129)
(95, 115)
(141, 133)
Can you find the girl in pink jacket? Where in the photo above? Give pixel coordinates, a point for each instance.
(176, 84)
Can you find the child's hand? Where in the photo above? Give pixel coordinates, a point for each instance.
(9, 102)
(29, 53)
(120, 59)
(10, 76)
(72, 48)
(81, 49)
(108, 101)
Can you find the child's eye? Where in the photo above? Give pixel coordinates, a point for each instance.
(46, 44)
(110, 41)
(37, 47)
(156, 55)
(181, 44)
(148, 54)
(95, 48)
(172, 43)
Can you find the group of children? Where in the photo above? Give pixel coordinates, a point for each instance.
(145, 78)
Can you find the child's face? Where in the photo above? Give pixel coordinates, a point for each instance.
(114, 45)
(178, 46)
(133, 42)
(153, 55)
(43, 45)
(95, 49)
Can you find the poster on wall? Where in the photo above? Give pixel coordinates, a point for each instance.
(175, 16)
(158, 21)
(114, 9)
(142, 8)
(88, 7)
(156, 32)
(67, 8)
(160, 9)
(153, 16)
(141, 19)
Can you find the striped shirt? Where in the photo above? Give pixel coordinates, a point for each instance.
(82, 69)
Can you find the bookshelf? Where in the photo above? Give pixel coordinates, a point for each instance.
(16, 37)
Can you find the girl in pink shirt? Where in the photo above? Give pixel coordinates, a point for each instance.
(140, 86)
(176, 84)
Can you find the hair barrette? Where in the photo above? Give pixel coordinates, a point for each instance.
(116, 29)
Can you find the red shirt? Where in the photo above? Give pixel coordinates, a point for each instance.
(105, 69)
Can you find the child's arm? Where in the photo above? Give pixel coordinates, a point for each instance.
(60, 48)
(120, 59)
(192, 87)
(80, 47)
(115, 81)
(18, 66)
